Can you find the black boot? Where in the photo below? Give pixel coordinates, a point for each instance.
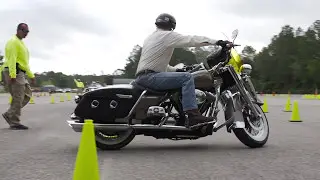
(15, 126)
(196, 119)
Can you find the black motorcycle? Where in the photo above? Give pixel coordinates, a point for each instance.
(120, 112)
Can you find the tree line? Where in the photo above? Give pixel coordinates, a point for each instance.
(289, 63)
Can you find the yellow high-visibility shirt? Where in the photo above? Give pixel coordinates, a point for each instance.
(17, 52)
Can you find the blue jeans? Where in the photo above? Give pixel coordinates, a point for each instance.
(172, 80)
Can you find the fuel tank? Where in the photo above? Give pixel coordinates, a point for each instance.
(202, 79)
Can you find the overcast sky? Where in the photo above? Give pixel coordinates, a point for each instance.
(90, 36)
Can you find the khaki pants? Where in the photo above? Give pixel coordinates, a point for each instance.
(21, 94)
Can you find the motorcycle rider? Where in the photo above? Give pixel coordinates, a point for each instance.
(154, 71)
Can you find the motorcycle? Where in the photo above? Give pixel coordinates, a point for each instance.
(120, 112)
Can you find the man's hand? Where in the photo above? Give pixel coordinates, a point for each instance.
(224, 43)
(12, 80)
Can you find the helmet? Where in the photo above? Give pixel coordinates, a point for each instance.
(166, 21)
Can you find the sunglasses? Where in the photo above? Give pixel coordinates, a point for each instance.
(24, 30)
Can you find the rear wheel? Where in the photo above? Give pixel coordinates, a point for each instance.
(113, 140)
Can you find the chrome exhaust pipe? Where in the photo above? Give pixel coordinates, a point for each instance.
(77, 127)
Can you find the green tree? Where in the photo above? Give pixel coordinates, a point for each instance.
(290, 61)
(132, 62)
(201, 53)
(248, 54)
(182, 55)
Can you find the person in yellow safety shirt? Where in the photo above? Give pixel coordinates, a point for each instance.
(15, 68)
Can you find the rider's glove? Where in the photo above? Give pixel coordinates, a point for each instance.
(223, 43)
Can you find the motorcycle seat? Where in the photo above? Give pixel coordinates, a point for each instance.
(152, 91)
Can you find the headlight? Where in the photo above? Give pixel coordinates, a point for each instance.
(246, 69)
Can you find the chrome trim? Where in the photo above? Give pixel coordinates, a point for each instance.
(125, 96)
(136, 104)
(95, 104)
(77, 127)
(113, 104)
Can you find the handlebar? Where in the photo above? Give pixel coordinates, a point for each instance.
(232, 45)
(215, 68)
(196, 67)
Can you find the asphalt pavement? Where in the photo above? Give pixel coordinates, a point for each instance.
(47, 151)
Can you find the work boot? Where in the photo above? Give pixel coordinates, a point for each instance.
(18, 127)
(195, 118)
(13, 125)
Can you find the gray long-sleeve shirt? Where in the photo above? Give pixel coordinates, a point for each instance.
(158, 49)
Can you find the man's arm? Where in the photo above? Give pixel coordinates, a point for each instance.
(11, 58)
(27, 68)
(177, 40)
(29, 72)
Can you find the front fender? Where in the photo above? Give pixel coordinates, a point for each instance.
(258, 101)
(255, 99)
(233, 111)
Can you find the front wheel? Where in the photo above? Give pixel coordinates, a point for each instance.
(114, 140)
(256, 131)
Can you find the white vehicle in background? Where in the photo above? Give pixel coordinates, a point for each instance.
(59, 90)
(93, 86)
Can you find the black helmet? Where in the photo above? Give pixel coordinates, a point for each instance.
(166, 21)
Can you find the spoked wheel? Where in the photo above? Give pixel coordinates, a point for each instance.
(256, 131)
(113, 140)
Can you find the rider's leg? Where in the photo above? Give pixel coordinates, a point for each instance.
(174, 80)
